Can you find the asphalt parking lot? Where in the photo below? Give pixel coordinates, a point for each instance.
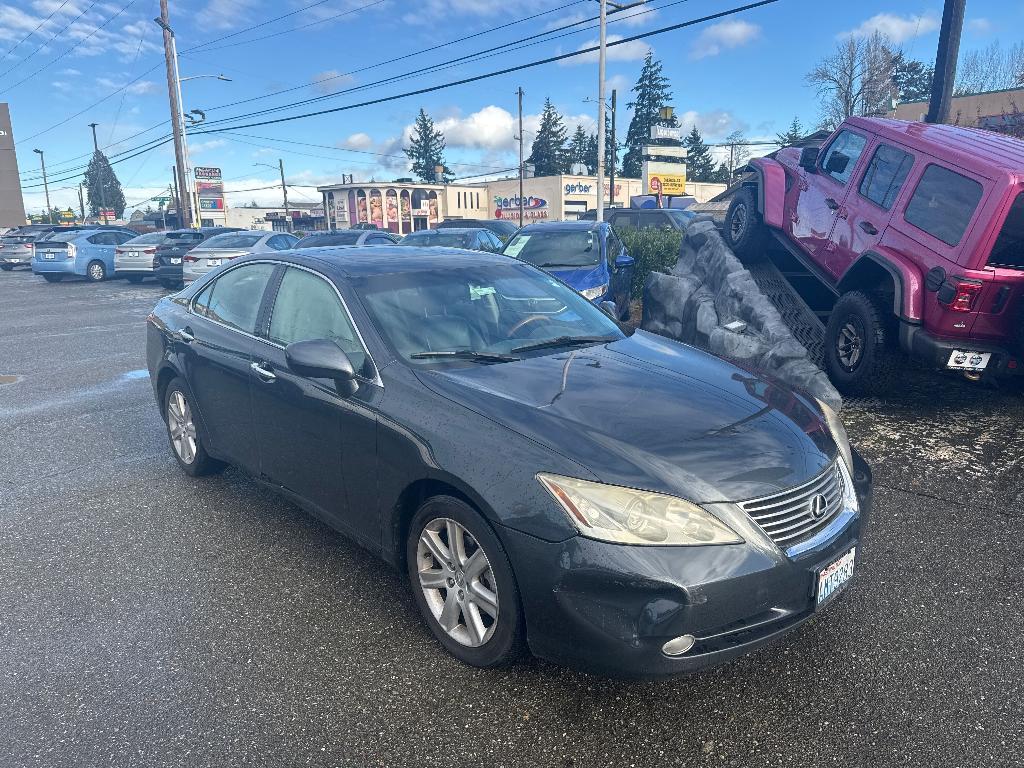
(151, 619)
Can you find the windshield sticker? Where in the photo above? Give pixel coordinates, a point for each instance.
(479, 291)
(516, 246)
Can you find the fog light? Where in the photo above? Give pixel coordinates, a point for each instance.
(679, 645)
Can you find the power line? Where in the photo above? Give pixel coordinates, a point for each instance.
(57, 10)
(39, 47)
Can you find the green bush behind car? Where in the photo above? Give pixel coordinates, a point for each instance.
(653, 250)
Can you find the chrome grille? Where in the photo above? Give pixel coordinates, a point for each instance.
(788, 516)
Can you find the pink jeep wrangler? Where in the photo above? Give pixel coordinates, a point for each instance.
(918, 229)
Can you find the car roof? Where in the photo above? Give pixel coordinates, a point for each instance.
(562, 226)
(451, 231)
(382, 259)
(950, 142)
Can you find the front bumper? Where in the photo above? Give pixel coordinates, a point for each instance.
(935, 351)
(610, 608)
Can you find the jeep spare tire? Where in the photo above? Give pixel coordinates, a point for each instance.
(745, 232)
(859, 353)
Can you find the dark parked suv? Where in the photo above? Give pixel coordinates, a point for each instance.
(644, 218)
(917, 229)
(169, 254)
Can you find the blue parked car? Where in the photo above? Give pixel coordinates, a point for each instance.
(88, 253)
(585, 254)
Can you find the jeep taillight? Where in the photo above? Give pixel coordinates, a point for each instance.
(965, 297)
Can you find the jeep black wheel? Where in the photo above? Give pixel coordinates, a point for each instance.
(745, 232)
(859, 354)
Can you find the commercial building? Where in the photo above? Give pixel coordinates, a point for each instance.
(404, 206)
(994, 110)
(12, 205)
(306, 217)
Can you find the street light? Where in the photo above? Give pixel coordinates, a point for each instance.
(46, 187)
(213, 77)
(284, 190)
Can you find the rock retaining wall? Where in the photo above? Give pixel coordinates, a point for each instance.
(710, 289)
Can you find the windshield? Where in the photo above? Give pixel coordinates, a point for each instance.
(439, 238)
(492, 310)
(184, 237)
(153, 238)
(679, 216)
(341, 238)
(233, 240)
(556, 248)
(17, 238)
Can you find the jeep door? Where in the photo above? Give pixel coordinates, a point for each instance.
(821, 194)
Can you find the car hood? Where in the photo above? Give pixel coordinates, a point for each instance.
(649, 413)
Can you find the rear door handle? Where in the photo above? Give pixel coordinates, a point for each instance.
(185, 335)
(868, 227)
(831, 203)
(265, 374)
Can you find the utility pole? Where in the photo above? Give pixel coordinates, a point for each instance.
(177, 121)
(615, 149)
(945, 61)
(284, 191)
(46, 187)
(600, 109)
(81, 201)
(103, 192)
(177, 200)
(521, 168)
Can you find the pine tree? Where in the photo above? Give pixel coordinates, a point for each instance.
(721, 174)
(609, 151)
(699, 163)
(652, 93)
(913, 78)
(578, 149)
(102, 186)
(426, 150)
(548, 150)
(791, 135)
(591, 156)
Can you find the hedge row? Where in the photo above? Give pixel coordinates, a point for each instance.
(653, 250)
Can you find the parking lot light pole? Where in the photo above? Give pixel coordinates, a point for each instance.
(46, 186)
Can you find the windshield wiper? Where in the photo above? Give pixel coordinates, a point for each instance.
(564, 341)
(555, 264)
(466, 354)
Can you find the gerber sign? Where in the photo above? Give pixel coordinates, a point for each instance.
(534, 208)
(579, 189)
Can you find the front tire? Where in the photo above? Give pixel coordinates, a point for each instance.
(745, 232)
(463, 583)
(96, 272)
(859, 354)
(184, 433)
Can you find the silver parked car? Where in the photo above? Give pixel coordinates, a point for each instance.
(17, 246)
(135, 258)
(223, 248)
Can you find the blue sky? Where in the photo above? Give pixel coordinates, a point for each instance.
(743, 72)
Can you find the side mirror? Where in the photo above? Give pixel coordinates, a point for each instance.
(609, 308)
(322, 359)
(625, 260)
(837, 163)
(809, 159)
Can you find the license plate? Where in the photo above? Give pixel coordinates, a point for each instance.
(175, 261)
(968, 361)
(834, 577)
(213, 262)
(48, 256)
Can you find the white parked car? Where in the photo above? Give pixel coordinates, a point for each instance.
(223, 248)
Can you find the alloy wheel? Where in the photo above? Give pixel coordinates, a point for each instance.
(850, 344)
(181, 427)
(96, 271)
(738, 224)
(457, 582)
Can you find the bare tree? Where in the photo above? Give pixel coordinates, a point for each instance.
(992, 68)
(856, 79)
(739, 152)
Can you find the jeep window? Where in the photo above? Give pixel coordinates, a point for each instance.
(943, 203)
(849, 145)
(1009, 248)
(885, 175)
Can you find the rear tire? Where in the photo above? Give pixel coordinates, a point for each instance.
(859, 351)
(466, 587)
(96, 271)
(53, 278)
(184, 432)
(135, 279)
(170, 285)
(745, 232)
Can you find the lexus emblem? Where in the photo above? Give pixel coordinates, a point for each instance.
(818, 506)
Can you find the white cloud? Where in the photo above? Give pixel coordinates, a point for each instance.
(618, 83)
(713, 125)
(198, 147)
(631, 51)
(69, 72)
(358, 141)
(980, 25)
(330, 81)
(722, 37)
(633, 17)
(225, 14)
(139, 88)
(897, 28)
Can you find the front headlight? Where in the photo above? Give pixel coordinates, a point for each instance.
(838, 431)
(628, 516)
(595, 293)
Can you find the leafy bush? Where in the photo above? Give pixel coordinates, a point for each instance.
(654, 250)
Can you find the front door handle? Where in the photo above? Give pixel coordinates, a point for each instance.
(868, 227)
(265, 374)
(831, 203)
(185, 335)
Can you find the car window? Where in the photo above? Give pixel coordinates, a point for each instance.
(624, 220)
(885, 175)
(380, 240)
(183, 238)
(655, 221)
(849, 144)
(1008, 250)
(556, 248)
(102, 238)
(307, 307)
(121, 237)
(614, 249)
(235, 296)
(943, 203)
(153, 238)
(233, 240)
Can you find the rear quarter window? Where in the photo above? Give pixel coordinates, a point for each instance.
(943, 204)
